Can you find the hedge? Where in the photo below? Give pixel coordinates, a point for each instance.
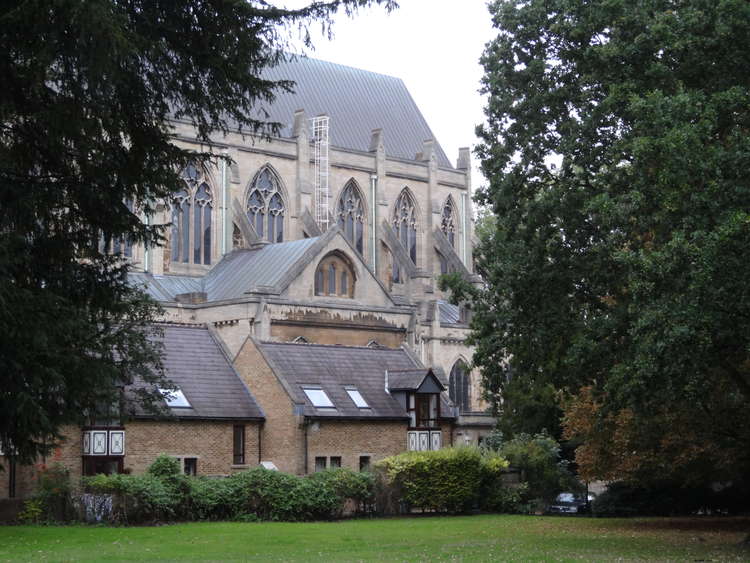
(446, 480)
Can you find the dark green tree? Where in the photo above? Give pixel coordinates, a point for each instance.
(87, 93)
(617, 150)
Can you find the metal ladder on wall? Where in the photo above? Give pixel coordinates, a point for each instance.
(319, 128)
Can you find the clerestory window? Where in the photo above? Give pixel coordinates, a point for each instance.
(458, 386)
(265, 206)
(192, 209)
(448, 221)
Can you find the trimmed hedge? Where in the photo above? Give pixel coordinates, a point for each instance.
(446, 480)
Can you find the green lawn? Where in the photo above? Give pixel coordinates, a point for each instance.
(470, 538)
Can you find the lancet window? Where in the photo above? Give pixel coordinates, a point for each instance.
(448, 221)
(351, 215)
(265, 207)
(405, 223)
(458, 386)
(192, 209)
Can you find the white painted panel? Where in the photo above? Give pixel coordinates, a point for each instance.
(436, 439)
(99, 442)
(117, 442)
(86, 443)
(424, 441)
(412, 441)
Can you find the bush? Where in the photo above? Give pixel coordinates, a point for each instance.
(537, 457)
(348, 485)
(137, 498)
(51, 501)
(451, 479)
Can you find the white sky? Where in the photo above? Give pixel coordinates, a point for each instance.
(433, 46)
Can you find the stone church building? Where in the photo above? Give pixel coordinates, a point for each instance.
(303, 322)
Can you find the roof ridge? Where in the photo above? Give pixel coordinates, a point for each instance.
(296, 58)
(337, 346)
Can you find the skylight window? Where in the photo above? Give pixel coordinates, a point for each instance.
(175, 398)
(318, 397)
(357, 397)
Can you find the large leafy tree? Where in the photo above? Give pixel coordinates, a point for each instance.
(87, 93)
(617, 150)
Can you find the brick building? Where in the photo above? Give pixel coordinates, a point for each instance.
(329, 239)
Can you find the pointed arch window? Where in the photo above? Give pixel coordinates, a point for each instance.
(265, 206)
(405, 223)
(448, 221)
(351, 215)
(192, 209)
(458, 386)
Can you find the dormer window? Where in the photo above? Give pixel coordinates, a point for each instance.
(175, 398)
(318, 397)
(357, 398)
(334, 276)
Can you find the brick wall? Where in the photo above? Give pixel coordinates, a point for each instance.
(352, 439)
(210, 442)
(282, 439)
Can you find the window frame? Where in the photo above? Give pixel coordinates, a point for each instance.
(238, 444)
(317, 389)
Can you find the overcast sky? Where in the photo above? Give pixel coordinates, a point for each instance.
(434, 46)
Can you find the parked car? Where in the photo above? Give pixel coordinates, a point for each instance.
(570, 503)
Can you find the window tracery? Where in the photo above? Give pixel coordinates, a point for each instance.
(265, 207)
(448, 221)
(334, 276)
(192, 209)
(405, 224)
(351, 215)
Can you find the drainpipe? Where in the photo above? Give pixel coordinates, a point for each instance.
(463, 228)
(224, 203)
(374, 215)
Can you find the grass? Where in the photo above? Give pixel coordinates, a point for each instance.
(463, 538)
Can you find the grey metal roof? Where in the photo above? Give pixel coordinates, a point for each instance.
(243, 270)
(449, 313)
(165, 287)
(196, 364)
(357, 102)
(333, 368)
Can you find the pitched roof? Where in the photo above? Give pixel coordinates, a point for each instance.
(237, 273)
(333, 368)
(195, 362)
(357, 102)
(264, 269)
(410, 379)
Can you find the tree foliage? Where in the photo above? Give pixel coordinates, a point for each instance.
(618, 276)
(86, 153)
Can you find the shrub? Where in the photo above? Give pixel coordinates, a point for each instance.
(537, 457)
(137, 498)
(33, 511)
(348, 485)
(52, 496)
(450, 479)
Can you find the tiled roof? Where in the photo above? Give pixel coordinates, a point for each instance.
(357, 102)
(197, 365)
(333, 368)
(406, 380)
